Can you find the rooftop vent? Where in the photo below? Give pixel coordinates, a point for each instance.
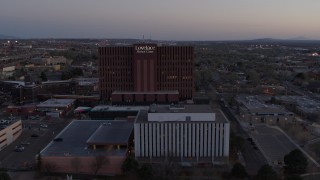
(153, 108)
(176, 106)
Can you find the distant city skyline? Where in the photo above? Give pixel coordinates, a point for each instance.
(161, 20)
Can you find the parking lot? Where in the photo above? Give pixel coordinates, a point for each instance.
(35, 136)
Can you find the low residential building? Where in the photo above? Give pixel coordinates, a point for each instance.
(314, 86)
(24, 110)
(55, 60)
(254, 111)
(56, 107)
(9, 132)
(86, 86)
(302, 105)
(29, 91)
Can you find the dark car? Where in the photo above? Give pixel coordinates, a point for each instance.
(58, 139)
(34, 135)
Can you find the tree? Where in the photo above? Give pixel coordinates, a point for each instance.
(295, 162)
(66, 75)
(98, 163)
(267, 173)
(170, 167)
(4, 176)
(43, 76)
(301, 76)
(238, 171)
(145, 172)
(313, 117)
(39, 161)
(129, 164)
(273, 100)
(77, 72)
(167, 169)
(253, 76)
(294, 177)
(71, 73)
(236, 142)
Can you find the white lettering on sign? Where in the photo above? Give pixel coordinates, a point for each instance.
(145, 49)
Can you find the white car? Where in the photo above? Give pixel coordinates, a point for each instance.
(25, 143)
(19, 149)
(44, 126)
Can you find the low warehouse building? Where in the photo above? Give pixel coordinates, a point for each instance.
(89, 147)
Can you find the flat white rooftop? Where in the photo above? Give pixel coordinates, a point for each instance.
(164, 117)
(119, 108)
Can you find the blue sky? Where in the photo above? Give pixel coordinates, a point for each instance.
(165, 19)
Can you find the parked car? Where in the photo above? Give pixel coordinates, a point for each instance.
(25, 143)
(43, 125)
(34, 135)
(58, 139)
(19, 148)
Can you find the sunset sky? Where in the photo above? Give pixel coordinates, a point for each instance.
(163, 20)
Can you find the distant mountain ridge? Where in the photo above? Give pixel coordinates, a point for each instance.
(2, 36)
(301, 38)
(298, 38)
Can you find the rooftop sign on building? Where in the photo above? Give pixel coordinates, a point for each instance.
(145, 49)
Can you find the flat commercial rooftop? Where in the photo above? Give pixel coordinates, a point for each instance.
(142, 117)
(181, 117)
(112, 133)
(254, 105)
(304, 103)
(145, 92)
(181, 113)
(56, 103)
(181, 108)
(21, 83)
(78, 132)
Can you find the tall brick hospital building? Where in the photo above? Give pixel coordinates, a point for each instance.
(146, 73)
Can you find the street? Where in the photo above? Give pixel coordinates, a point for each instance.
(254, 159)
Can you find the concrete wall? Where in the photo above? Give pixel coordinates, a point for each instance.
(82, 165)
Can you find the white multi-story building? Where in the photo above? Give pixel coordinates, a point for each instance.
(192, 133)
(9, 132)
